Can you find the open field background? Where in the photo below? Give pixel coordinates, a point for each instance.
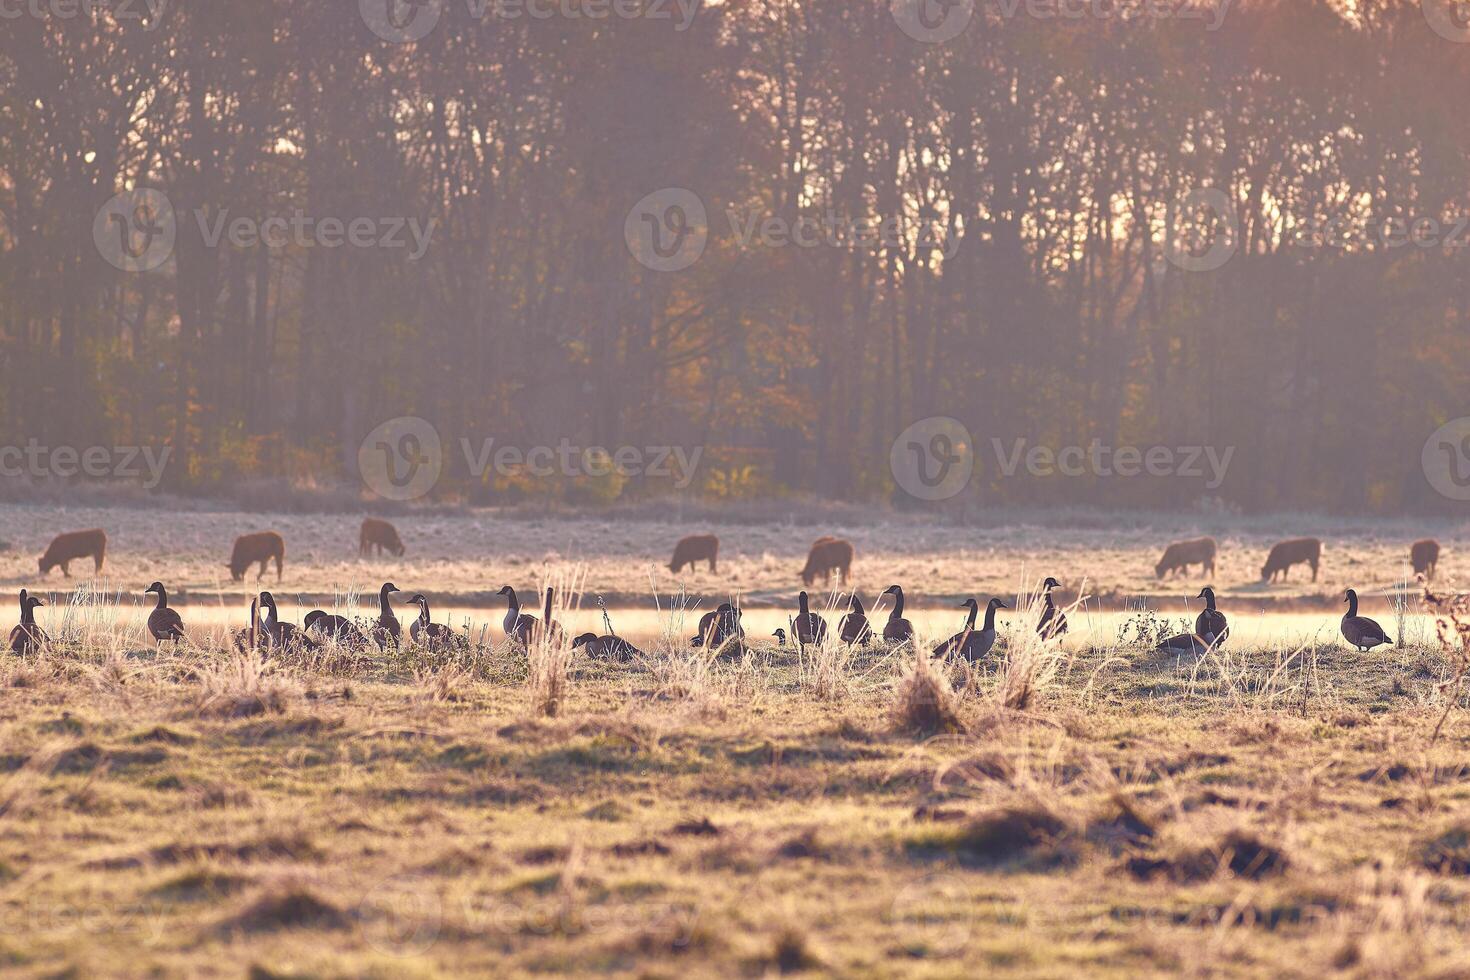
(463, 559)
(1273, 809)
(1113, 812)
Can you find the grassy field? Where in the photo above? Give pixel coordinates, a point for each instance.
(464, 558)
(1109, 811)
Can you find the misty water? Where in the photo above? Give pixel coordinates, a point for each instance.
(645, 625)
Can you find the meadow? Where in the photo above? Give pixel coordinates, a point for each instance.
(1282, 808)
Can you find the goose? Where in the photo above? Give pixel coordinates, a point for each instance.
(853, 628)
(962, 638)
(606, 647)
(386, 631)
(523, 628)
(26, 638)
(809, 628)
(1360, 631)
(970, 643)
(329, 626)
(278, 634)
(163, 623)
(718, 626)
(1187, 643)
(1211, 623)
(897, 630)
(435, 636)
(246, 637)
(1053, 622)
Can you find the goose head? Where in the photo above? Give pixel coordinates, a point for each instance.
(893, 590)
(969, 604)
(1050, 584)
(996, 603)
(155, 589)
(1351, 595)
(583, 640)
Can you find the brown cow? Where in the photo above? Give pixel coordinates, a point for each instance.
(67, 548)
(693, 549)
(1297, 551)
(1425, 557)
(260, 547)
(1181, 554)
(828, 555)
(381, 535)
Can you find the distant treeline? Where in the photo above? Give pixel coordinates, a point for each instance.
(1006, 228)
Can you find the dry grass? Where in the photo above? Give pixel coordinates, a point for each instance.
(1094, 810)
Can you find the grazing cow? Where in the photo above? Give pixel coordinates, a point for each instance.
(1181, 554)
(67, 548)
(693, 549)
(1425, 557)
(828, 556)
(260, 547)
(381, 535)
(1297, 551)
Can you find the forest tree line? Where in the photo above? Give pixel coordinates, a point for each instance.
(995, 228)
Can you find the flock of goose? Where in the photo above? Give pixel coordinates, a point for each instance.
(717, 628)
